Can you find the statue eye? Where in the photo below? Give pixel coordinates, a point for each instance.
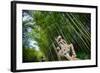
(57, 50)
(58, 40)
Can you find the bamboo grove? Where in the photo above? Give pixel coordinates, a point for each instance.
(40, 28)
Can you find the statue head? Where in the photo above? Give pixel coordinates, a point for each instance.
(58, 38)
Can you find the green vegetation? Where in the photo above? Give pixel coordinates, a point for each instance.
(40, 28)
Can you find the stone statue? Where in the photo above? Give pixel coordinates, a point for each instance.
(64, 49)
